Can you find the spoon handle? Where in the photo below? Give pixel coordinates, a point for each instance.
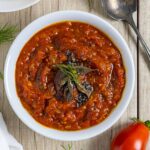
(132, 23)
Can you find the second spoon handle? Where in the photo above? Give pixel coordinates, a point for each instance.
(132, 23)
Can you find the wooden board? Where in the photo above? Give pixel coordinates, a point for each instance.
(139, 105)
(144, 64)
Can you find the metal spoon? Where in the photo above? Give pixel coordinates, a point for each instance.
(123, 10)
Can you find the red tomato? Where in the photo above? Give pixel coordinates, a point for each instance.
(134, 137)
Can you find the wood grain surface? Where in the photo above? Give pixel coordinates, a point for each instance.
(139, 105)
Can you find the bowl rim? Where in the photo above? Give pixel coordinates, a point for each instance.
(15, 5)
(69, 135)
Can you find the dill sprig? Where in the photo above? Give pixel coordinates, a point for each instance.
(73, 71)
(70, 75)
(7, 33)
(69, 71)
(69, 147)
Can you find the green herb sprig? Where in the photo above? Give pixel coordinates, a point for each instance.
(69, 147)
(71, 74)
(68, 74)
(7, 34)
(73, 71)
(69, 71)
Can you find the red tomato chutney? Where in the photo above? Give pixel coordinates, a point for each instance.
(36, 71)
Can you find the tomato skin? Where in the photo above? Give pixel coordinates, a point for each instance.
(134, 137)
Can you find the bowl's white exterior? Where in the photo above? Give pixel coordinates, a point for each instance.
(14, 5)
(24, 36)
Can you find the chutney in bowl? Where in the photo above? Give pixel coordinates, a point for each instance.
(57, 44)
(69, 75)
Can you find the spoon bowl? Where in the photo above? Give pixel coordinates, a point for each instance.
(122, 10)
(119, 9)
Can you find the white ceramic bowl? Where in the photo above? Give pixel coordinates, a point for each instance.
(14, 5)
(27, 33)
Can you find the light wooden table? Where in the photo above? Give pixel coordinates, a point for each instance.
(140, 104)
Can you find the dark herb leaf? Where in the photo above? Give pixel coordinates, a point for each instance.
(83, 70)
(82, 89)
(70, 86)
(63, 85)
(66, 94)
(65, 79)
(88, 87)
(60, 80)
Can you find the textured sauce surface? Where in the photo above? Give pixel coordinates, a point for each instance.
(35, 75)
